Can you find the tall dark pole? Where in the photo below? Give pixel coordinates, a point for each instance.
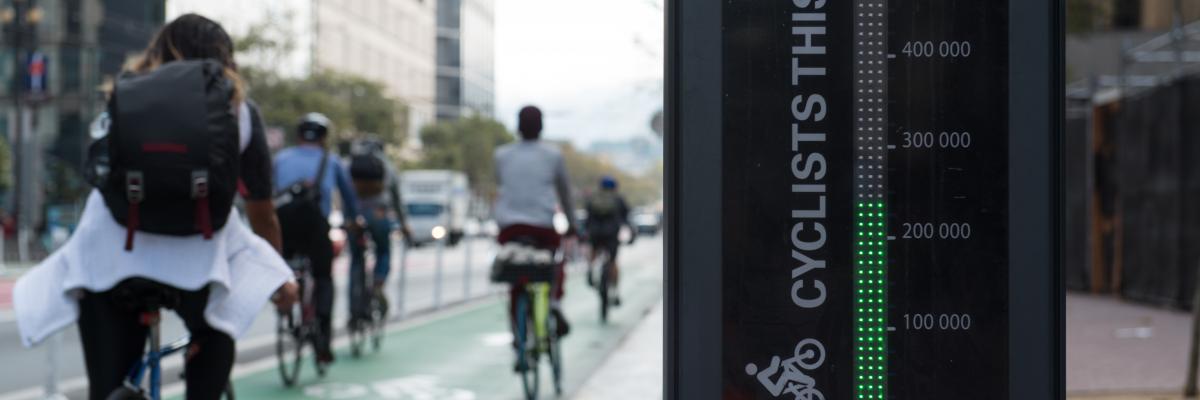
(19, 8)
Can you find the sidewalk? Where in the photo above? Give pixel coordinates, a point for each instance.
(1116, 349)
(8, 278)
(1126, 397)
(637, 365)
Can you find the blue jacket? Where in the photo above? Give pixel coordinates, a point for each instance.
(300, 163)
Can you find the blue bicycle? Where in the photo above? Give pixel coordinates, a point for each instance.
(149, 298)
(536, 326)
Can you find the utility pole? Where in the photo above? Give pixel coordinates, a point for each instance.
(20, 19)
(16, 30)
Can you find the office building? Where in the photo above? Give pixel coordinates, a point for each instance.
(82, 43)
(465, 58)
(387, 41)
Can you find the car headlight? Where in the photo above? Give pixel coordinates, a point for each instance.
(438, 232)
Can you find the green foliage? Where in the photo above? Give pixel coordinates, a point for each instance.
(586, 170)
(468, 145)
(6, 166)
(465, 145)
(356, 105)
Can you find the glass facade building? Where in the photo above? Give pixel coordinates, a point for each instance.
(85, 43)
(466, 58)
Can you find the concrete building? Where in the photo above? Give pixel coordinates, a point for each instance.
(85, 42)
(465, 58)
(387, 41)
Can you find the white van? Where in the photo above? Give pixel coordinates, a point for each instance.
(437, 203)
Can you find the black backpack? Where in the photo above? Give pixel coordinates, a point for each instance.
(368, 173)
(173, 150)
(367, 167)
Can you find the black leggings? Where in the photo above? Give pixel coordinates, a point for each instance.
(310, 237)
(114, 340)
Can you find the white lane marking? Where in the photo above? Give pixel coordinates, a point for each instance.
(498, 339)
(410, 387)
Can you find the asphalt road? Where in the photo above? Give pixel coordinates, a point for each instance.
(24, 372)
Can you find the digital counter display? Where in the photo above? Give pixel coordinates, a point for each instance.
(865, 199)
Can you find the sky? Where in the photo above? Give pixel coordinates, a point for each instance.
(595, 68)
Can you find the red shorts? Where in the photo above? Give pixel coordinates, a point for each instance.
(546, 238)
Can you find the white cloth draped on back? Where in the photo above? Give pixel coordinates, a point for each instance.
(241, 269)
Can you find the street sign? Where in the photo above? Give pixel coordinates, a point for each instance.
(36, 71)
(863, 199)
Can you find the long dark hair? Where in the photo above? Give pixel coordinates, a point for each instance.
(190, 37)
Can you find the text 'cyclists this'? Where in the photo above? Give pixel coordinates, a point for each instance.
(864, 199)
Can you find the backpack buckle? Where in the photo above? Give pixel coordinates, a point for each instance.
(135, 187)
(199, 184)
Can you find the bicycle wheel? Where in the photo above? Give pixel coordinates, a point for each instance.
(126, 393)
(358, 336)
(380, 319)
(554, 350)
(604, 286)
(315, 337)
(527, 348)
(288, 348)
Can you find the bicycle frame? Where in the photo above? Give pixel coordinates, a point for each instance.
(539, 293)
(152, 361)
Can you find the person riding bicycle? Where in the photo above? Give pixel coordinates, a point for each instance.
(311, 169)
(378, 188)
(218, 271)
(532, 184)
(607, 212)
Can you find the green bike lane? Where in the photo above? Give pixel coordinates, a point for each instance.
(466, 354)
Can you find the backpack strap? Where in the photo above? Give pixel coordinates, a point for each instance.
(135, 192)
(200, 196)
(316, 193)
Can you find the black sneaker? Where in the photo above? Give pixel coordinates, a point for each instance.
(616, 300)
(326, 357)
(564, 327)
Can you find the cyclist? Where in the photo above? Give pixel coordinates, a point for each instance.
(221, 276)
(607, 212)
(378, 188)
(532, 182)
(306, 227)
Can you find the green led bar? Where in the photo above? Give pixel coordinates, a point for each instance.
(870, 214)
(870, 304)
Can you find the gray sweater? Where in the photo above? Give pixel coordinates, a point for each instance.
(532, 180)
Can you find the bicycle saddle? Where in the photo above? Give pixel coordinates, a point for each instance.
(529, 241)
(144, 295)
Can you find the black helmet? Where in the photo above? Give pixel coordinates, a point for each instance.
(313, 127)
(368, 144)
